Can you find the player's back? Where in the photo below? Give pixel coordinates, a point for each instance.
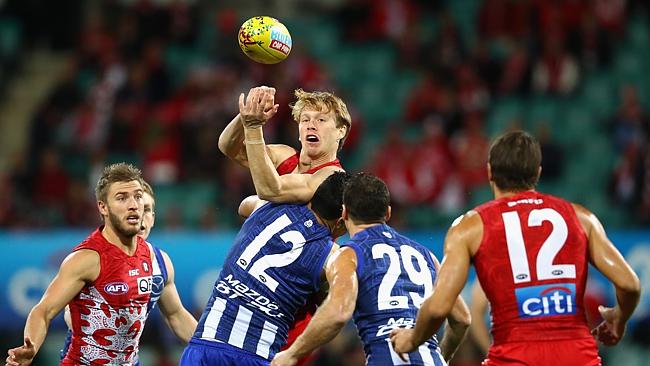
(395, 275)
(274, 264)
(532, 264)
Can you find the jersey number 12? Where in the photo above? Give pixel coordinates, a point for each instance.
(546, 270)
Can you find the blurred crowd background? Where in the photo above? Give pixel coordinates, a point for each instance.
(429, 83)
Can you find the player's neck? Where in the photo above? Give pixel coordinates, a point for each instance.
(308, 162)
(505, 194)
(126, 244)
(354, 229)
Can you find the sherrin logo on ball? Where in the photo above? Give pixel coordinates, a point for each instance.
(265, 40)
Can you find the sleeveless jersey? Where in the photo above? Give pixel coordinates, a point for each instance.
(305, 313)
(290, 163)
(159, 276)
(395, 275)
(532, 265)
(274, 264)
(108, 314)
(159, 279)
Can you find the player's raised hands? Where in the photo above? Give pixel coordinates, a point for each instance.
(612, 329)
(21, 356)
(258, 106)
(402, 340)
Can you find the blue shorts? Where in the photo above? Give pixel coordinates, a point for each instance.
(206, 353)
(382, 354)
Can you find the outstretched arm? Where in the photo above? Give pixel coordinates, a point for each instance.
(179, 320)
(609, 261)
(76, 270)
(333, 314)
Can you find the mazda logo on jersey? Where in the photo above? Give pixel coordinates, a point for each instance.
(116, 288)
(144, 285)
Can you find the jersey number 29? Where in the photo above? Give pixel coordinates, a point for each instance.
(421, 276)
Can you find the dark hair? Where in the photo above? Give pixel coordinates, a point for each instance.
(515, 158)
(120, 172)
(327, 202)
(366, 199)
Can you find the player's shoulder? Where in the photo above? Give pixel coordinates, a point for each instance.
(83, 255)
(280, 152)
(586, 218)
(86, 263)
(466, 225)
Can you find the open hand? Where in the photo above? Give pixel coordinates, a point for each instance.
(21, 356)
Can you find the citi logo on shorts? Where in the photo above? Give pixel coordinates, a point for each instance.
(116, 288)
(546, 300)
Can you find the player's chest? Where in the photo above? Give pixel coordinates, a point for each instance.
(126, 280)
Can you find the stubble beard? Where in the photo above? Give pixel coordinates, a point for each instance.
(121, 228)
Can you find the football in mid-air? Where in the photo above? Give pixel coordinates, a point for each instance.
(264, 39)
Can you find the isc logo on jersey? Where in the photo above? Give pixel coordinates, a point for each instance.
(546, 300)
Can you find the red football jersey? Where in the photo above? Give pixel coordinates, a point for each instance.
(532, 264)
(290, 163)
(108, 315)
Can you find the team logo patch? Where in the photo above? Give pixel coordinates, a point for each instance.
(116, 288)
(158, 284)
(144, 285)
(547, 300)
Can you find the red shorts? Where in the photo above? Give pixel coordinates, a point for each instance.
(568, 352)
(303, 317)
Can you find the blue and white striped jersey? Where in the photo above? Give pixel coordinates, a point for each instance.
(395, 276)
(274, 264)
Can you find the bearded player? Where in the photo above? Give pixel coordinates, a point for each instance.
(107, 282)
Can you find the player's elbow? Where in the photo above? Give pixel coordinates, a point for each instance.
(40, 311)
(271, 192)
(226, 147)
(462, 321)
(631, 285)
(339, 319)
(267, 194)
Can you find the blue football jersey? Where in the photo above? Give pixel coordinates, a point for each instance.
(274, 264)
(395, 276)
